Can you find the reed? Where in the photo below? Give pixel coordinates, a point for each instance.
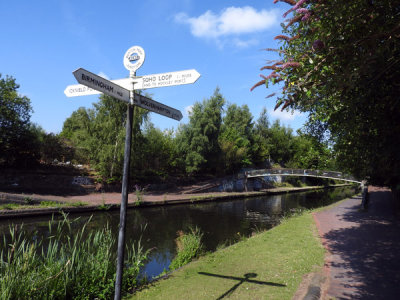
(189, 246)
(67, 264)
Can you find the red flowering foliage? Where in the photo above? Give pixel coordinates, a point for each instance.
(282, 37)
(341, 65)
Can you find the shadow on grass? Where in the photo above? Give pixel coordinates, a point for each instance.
(246, 278)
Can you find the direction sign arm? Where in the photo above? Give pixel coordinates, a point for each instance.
(101, 84)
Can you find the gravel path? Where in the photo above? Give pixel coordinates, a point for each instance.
(364, 248)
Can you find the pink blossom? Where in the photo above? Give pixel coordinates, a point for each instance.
(306, 17)
(282, 37)
(302, 11)
(291, 2)
(298, 4)
(290, 65)
(272, 75)
(271, 95)
(261, 82)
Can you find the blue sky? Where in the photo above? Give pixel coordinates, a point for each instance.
(43, 42)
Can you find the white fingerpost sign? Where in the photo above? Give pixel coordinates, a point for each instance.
(79, 90)
(159, 108)
(141, 82)
(124, 89)
(101, 84)
(76, 90)
(166, 79)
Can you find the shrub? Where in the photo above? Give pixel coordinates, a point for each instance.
(189, 246)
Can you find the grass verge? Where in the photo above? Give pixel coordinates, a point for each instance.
(269, 265)
(42, 204)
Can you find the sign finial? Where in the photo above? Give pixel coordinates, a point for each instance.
(134, 58)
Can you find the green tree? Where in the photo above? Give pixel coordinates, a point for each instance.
(310, 153)
(78, 130)
(98, 135)
(236, 137)
(51, 146)
(281, 143)
(339, 61)
(159, 152)
(198, 140)
(16, 140)
(261, 140)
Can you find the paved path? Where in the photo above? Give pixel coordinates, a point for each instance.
(364, 248)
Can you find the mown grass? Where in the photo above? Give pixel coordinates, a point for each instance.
(269, 265)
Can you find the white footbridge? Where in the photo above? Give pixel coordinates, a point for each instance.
(302, 173)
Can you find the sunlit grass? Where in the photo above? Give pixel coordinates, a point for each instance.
(269, 265)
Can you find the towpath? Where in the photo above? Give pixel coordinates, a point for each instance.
(364, 248)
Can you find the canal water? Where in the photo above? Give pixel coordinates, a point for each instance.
(221, 222)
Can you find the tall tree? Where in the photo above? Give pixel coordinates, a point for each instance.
(16, 147)
(281, 148)
(262, 140)
(98, 134)
(310, 153)
(340, 61)
(236, 137)
(160, 152)
(199, 139)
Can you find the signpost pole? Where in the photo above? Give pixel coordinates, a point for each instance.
(92, 84)
(124, 201)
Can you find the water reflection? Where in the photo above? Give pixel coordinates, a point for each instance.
(221, 222)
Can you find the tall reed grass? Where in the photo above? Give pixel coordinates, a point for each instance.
(189, 246)
(67, 264)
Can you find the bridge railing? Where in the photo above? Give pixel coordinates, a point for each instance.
(301, 172)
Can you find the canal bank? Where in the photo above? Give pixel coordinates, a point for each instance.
(222, 222)
(55, 204)
(360, 260)
(268, 265)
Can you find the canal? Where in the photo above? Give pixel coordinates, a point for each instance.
(222, 222)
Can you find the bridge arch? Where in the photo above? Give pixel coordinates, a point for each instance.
(303, 173)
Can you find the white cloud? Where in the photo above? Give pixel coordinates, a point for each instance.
(237, 20)
(285, 115)
(104, 75)
(188, 110)
(244, 43)
(230, 21)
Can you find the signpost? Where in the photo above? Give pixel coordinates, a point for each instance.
(76, 90)
(150, 104)
(124, 89)
(141, 83)
(101, 84)
(166, 79)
